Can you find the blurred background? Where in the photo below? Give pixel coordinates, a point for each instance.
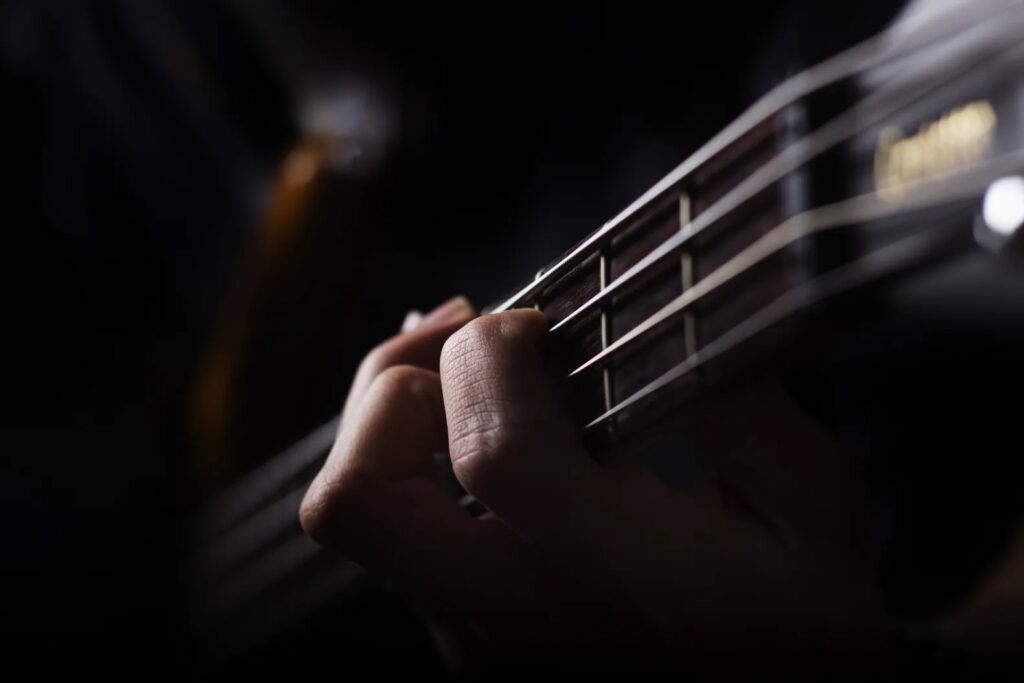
(213, 208)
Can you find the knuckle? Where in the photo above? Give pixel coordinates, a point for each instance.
(486, 438)
(399, 381)
(312, 517)
(475, 420)
(484, 458)
(470, 342)
(330, 508)
(313, 514)
(347, 492)
(409, 388)
(492, 333)
(380, 358)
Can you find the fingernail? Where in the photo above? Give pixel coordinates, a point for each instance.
(454, 310)
(412, 319)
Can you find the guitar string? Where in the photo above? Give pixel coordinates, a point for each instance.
(251, 533)
(240, 499)
(814, 290)
(881, 261)
(859, 59)
(264, 482)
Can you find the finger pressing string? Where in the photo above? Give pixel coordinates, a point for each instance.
(512, 445)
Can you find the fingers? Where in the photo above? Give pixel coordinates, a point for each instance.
(621, 534)
(653, 555)
(401, 415)
(377, 500)
(511, 444)
(419, 345)
(514, 448)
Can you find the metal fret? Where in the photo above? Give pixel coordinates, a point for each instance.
(686, 268)
(605, 266)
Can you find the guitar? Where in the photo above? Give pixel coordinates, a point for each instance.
(833, 200)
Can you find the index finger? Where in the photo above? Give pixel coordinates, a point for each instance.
(419, 346)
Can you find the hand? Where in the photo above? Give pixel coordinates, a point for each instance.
(764, 555)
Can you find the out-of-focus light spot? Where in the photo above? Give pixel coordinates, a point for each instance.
(300, 167)
(1003, 206)
(354, 114)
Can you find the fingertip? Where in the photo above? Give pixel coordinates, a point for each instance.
(522, 328)
(412, 320)
(496, 337)
(311, 513)
(458, 309)
(531, 318)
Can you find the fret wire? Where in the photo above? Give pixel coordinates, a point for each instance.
(887, 46)
(605, 277)
(862, 208)
(537, 277)
(838, 130)
(686, 268)
(884, 260)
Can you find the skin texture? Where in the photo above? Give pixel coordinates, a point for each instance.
(763, 556)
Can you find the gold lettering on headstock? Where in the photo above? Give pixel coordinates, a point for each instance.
(961, 136)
